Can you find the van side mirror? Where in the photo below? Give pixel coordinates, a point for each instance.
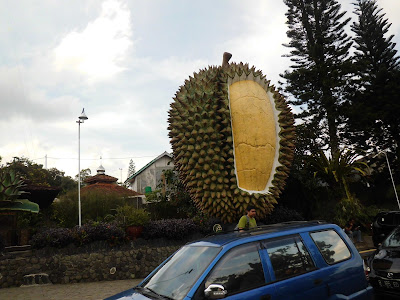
(215, 291)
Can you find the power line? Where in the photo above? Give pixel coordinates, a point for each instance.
(75, 158)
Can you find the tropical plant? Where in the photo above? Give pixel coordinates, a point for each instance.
(338, 169)
(130, 216)
(11, 189)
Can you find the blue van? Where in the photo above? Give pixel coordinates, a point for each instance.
(294, 260)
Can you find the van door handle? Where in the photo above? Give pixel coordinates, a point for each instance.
(318, 281)
(265, 297)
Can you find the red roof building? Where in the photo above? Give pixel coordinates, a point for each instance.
(107, 185)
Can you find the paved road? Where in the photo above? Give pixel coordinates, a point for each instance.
(74, 291)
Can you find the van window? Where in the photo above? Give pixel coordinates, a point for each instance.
(239, 270)
(289, 257)
(331, 246)
(389, 219)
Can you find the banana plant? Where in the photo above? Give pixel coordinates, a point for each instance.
(11, 189)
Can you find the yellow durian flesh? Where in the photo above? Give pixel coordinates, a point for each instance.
(254, 134)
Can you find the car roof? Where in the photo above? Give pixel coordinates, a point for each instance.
(221, 239)
(389, 212)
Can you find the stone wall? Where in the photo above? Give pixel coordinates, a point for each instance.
(67, 266)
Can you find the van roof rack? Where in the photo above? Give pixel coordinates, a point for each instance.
(269, 228)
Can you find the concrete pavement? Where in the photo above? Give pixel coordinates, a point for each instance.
(74, 291)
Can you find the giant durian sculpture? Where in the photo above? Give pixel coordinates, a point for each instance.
(232, 139)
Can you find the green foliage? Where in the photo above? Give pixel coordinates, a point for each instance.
(11, 186)
(347, 209)
(29, 220)
(163, 210)
(175, 229)
(131, 216)
(36, 175)
(11, 189)
(283, 214)
(65, 210)
(338, 169)
(53, 237)
(131, 169)
(85, 173)
(95, 206)
(171, 200)
(372, 108)
(86, 234)
(319, 52)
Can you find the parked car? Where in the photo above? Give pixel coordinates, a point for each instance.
(295, 260)
(384, 265)
(383, 224)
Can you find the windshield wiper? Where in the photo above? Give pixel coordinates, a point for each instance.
(146, 289)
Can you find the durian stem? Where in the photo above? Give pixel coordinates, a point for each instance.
(225, 59)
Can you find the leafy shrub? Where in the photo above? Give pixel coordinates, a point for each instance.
(164, 210)
(175, 229)
(61, 237)
(348, 209)
(205, 223)
(95, 206)
(130, 216)
(283, 214)
(98, 232)
(53, 237)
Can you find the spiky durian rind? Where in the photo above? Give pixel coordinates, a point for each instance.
(201, 139)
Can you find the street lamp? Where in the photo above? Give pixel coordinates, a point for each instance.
(391, 176)
(81, 119)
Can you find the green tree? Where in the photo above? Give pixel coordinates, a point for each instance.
(35, 174)
(85, 173)
(131, 169)
(373, 108)
(320, 49)
(171, 200)
(338, 170)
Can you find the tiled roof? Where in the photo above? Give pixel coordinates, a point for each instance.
(108, 188)
(100, 178)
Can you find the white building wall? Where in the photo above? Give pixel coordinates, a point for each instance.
(151, 176)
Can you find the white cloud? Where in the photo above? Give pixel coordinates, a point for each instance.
(260, 37)
(141, 52)
(99, 50)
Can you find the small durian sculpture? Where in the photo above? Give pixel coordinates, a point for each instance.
(232, 137)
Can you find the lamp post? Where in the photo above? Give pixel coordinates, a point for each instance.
(81, 119)
(391, 176)
(121, 175)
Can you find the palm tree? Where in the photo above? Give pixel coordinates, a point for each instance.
(339, 168)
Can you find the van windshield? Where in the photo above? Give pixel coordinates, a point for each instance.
(177, 276)
(393, 240)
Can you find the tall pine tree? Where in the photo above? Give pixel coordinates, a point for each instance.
(131, 169)
(320, 49)
(374, 108)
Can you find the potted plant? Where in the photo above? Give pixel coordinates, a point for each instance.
(133, 220)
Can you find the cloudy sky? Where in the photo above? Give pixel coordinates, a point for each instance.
(123, 61)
